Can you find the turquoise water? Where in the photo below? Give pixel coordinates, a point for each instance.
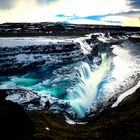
(76, 83)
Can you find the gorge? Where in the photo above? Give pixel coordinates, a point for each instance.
(73, 77)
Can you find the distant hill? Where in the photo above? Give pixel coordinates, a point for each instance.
(62, 29)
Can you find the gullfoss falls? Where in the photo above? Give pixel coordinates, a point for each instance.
(82, 95)
(71, 77)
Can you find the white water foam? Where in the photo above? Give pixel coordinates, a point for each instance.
(125, 73)
(82, 95)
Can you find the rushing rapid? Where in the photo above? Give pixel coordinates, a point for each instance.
(71, 77)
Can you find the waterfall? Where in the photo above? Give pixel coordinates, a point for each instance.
(80, 84)
(82, 95)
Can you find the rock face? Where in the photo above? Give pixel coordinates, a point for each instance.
(14, 122)
(18, 58)
(18, 54)
(29, 99)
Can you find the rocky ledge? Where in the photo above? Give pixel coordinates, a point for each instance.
(117, 123)
(26, 58)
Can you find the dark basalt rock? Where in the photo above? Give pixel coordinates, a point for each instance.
(29, 99)
(25, 58)
(15, 124)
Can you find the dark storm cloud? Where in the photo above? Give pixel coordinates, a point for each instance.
(6, 4)
(46, 1)
(134, 3)
(129, 13)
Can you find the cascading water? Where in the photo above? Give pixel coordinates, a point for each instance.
(82, 95)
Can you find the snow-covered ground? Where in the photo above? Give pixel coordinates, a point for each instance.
(31, 41)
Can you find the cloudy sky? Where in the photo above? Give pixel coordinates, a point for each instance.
(110, 12)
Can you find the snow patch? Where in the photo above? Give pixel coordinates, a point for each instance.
(125, 94)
